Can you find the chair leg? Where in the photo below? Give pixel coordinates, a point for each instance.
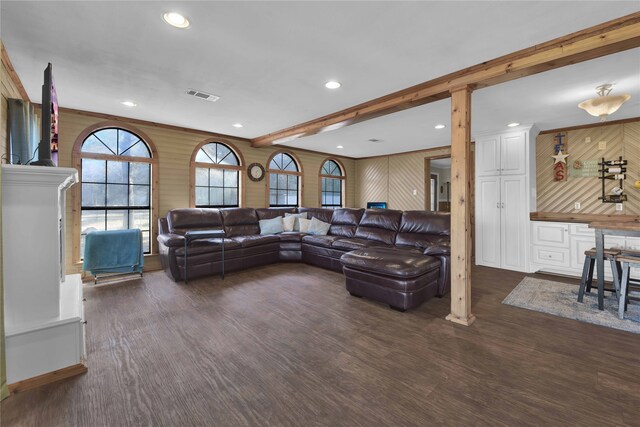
(592, 263)
(616, 277)
(623, 290)
(587, 269)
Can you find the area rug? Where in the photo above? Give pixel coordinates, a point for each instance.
(560, 299)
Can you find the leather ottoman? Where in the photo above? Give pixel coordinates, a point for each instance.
(401, 278)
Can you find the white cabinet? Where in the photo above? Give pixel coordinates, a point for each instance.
(559, 248)
(503, 199)
(502, 154)
(43, 316)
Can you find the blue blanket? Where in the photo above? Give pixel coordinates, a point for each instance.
(113, 251)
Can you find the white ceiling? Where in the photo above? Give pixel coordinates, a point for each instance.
(269, 60)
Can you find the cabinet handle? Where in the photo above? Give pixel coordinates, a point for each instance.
(502, 205)
(84, 323)
(498, 205)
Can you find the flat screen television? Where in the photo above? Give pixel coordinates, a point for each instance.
(49, 139)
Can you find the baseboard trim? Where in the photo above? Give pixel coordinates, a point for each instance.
(49, 377)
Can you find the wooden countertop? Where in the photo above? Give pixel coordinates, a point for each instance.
(614, 225)
(584, 218)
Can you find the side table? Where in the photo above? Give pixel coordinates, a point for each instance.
(192, 236)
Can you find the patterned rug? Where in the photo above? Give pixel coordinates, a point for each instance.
(560, 299)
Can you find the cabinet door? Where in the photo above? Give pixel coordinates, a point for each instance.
(488, 221)
(515, 222)
(488, 156)
(513, 154)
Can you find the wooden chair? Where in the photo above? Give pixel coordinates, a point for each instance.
(587, 271)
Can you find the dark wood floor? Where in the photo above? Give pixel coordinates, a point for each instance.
(286, 345)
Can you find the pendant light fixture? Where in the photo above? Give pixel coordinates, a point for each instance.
(605, 104)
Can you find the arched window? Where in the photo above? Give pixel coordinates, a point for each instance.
(331, 185)
(116, 176)
(284, 181)
(217, 176)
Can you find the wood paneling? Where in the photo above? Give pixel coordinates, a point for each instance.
(285, 345)
(601, 40)
(393, 178)
(559, 196)
(580, 218)
(175, 148)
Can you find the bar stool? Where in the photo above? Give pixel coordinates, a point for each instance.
(587, 271)
(627, 261)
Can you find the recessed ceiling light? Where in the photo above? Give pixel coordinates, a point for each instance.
(237, 125)
(176, 20)
(129, 103)
(332, 84)
(439, 126)
(514, 124)
(339, 146)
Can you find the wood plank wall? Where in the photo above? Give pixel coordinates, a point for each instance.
(393, 179)
(623, 139)
(9, 88)
(175, 148)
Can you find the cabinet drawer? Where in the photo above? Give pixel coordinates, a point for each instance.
(550, 234)
(581, 230)
(553, 256)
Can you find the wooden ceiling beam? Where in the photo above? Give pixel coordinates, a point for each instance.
(605, 39)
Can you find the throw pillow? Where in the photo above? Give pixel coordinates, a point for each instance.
(296, 226)
(271, 226)
(304, 225)
(289, 223)
(318, 227)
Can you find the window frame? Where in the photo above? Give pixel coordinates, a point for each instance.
(76, 158)
(299, 174)
(343, 184)
(194, 165)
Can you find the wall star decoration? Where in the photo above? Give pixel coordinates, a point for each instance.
(560, 158)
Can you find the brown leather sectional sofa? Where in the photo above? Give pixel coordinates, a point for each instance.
(375, 239)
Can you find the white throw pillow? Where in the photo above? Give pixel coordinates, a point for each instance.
(271, 226)
(318, 227)
(304, 225)
(296, 225)
(289, 222)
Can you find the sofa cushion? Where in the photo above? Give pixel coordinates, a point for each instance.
(345, 221)
(171, 240)
(291, 236)
(255, 240)
(324, 241)
(380, 225)
(390, 262)
(240, 221)
(297, 216)
(268, 213)
(206, 246)
(422, 229)
(354, 243)
(317, 227)
(271, 226)
(320, 213)
(182, 220)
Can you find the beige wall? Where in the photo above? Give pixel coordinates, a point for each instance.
(622, 140)
(393, 179)
(175, 147)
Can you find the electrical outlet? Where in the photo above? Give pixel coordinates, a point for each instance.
(618, 206)
(587, 139)
(576, 206)
(602, 145)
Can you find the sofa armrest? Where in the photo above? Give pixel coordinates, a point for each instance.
(171, 240)
(439, 249)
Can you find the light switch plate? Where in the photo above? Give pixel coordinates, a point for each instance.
(577, 205)
(415, 192)
(618, 206)
(602, 145)
(587, 139)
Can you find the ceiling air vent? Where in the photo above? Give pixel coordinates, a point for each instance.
(374, 140)
(202, 95)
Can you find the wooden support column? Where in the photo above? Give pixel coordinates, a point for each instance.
(461, 207)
